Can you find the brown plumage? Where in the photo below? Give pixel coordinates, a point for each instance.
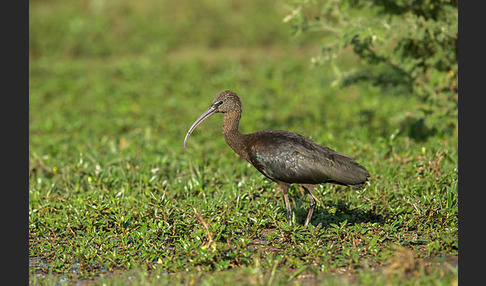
(284, 157)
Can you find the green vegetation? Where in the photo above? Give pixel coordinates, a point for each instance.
(405, 47)
(115, 199)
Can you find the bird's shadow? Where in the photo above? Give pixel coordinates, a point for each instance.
(331, 212)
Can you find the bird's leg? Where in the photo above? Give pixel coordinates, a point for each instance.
(312, 202)
(285, 189)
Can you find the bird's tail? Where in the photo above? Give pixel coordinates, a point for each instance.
(349, 172)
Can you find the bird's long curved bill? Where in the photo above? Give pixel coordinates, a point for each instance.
(210, 111)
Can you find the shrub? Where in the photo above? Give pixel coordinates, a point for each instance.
(406, 47)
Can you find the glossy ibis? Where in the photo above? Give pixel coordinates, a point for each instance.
(284, 157)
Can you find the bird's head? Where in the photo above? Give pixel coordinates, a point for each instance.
(224, 102)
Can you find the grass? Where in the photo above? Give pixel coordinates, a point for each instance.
(115, 199)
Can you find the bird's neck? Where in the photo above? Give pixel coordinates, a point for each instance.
(231, 134)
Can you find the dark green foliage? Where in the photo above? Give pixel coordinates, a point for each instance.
(406, 47)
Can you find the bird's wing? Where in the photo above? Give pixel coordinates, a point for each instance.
(286, 157)
(292, 158)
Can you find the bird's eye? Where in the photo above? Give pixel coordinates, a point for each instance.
(219, 103)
